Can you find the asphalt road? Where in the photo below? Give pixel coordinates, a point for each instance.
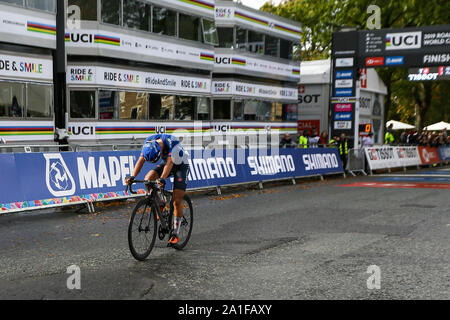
(314, 240)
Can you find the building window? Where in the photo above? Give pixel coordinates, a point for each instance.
(136, 15)
(88, 9)
(164, 21)
(47, 5)
(264, 111)
(286, 49)
(16, 2)
(203, 109)
(255, 42)
(189, 27)
(82, 104)
(222, 110)
(249, 108)
(133, 105)
(290, 112)
(238, 110)
(39, 101)
(225, 37)
(241, 38)
(276, 112)
(123, 105)
(271, 46)
(111, 11)
(108, 104)
(12, 99)
(210, 32)
(171, 107)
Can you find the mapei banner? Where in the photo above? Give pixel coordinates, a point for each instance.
(42, 179)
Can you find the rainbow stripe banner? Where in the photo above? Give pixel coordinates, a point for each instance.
(98, 38)
(199, 3)
(207, 56)
(249, 18)
(240, 62)
(41, 28)
(25, 131)
(286, 29)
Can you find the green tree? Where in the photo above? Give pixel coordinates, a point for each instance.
(320, 18)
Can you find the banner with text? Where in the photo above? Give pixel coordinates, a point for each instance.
(395, 157)
(47, 179)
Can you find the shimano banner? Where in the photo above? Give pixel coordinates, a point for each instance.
(43, 179)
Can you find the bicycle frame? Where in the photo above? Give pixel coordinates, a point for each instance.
(155, 200)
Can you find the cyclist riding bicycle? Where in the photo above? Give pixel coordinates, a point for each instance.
(174, 161)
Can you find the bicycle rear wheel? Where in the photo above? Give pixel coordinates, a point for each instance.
(186, 224)
(142, 230)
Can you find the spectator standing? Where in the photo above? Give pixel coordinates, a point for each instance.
(313, 140)
(343, 150)
(389, 137)
(403, 137)
(286, 141)
(303, 140)
(367, 141)
(334, 142)
(323, 141)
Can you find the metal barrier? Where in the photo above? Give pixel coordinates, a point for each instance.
(34, 148)
(356, 161)
(108, 147)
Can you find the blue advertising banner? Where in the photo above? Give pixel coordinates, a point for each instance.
(41, 179)
(444, 152)
(344, 74)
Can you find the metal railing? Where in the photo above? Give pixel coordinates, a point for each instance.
(356, 161)
(35, 148)
(108, 147)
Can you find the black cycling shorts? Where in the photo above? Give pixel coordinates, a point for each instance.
(179, 172)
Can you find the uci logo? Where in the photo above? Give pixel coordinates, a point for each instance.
(80, 37)
(160, 129)
(223, 60)
(404, 41)
(222, 128)
(58, 178)
(82, 130)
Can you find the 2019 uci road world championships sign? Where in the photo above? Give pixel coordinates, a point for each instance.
(427, 49)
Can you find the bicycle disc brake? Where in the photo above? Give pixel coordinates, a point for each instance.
(161, 233)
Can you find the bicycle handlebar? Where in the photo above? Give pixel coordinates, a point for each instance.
(152, 184)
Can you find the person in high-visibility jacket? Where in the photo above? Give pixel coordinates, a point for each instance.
(343, 150)
(334, 142)
(389, 137)
(303, 140)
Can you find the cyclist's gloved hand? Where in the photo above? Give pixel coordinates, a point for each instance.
(129, 180)
(161, 182)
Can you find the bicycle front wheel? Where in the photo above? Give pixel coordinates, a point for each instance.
(142, 230)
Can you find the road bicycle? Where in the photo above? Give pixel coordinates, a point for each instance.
(154, 215)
